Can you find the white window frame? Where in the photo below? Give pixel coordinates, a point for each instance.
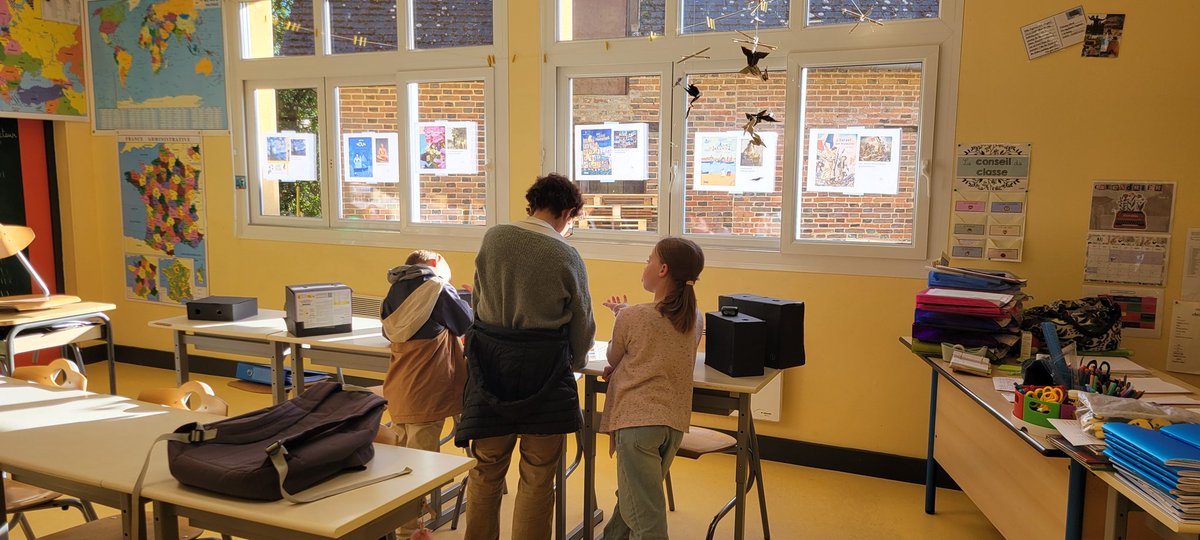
(420, 65)
(897, 41)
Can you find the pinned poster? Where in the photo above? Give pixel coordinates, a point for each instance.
(1183, 350)
(1191, 267)
(991, 190)
(447, 147)
(611, 152)
(288, 156)
(726, 161)
(854, 160)
(1054, 33)
(370, 158)
(1141, 308)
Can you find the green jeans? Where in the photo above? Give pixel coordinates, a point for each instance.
(644, 456)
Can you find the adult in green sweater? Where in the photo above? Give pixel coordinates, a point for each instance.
(533, 327)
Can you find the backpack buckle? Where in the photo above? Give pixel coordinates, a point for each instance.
(195, 436)
(275, 447)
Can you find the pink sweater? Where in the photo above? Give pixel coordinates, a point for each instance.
(651, 382)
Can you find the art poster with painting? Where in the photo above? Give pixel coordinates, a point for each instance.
(612, 152)
(447, 147)
(728, 161)
(369, 158)
(1102, 39)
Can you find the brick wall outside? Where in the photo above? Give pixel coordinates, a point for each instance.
(455, 199)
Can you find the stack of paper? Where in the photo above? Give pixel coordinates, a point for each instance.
(972, 308)
(1164, 465)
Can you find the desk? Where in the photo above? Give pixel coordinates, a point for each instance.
(41, 431)
(45, 328)
(363, 348)
(249, 337)
(974, 436)
(712, 391)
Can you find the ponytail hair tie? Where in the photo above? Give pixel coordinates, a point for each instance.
(690, 282)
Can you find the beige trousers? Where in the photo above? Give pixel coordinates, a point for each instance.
(422, 436)
(533, 514)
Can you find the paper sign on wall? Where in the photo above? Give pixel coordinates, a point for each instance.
(611, 152)
(447, 147)
(1054, 33)
(1129, 236)
(1183, 351)
(370, 158)
(288, 156)
(991, 190)
(854, 160)
(726, 161)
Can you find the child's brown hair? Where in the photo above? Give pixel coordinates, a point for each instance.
(685, 261)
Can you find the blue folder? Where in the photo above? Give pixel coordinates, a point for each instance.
(951, 280)
(1157, 447)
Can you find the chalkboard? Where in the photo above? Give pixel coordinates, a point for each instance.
(13, 277)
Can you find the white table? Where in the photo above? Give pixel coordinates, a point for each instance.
(249, 337)
(62, 326)
(712, 392)
(363, 348)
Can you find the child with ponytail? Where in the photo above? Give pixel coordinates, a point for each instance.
(650, 362)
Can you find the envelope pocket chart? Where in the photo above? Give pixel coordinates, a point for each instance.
(1007, 203)
(970, 201)
(1004, 249)
(1005, 224)
(970, 224)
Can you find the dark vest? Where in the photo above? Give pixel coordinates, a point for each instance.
(518, 382)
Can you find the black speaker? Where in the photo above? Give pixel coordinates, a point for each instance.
(222, 308)
(736, 344)
(785, 326)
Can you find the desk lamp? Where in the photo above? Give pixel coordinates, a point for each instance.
(13, 239)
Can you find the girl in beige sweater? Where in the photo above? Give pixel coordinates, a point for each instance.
(650, 362)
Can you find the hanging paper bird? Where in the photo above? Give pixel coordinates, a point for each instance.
(752, 58)
(752, 119)
(692, 91)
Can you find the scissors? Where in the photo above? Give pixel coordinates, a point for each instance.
(1102, 370)
(1048, 394)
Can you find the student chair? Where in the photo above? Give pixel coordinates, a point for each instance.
(20, 498)
(699, 441)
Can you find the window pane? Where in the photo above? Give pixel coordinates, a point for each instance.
(730, 15)
(821, 12)
(368, 162)
(449, 154)
(604, 19)
(734, 187)
(451, 23)
(615, 150)
(860, 135)
(288, 153)
(362, 25)
(278, 28)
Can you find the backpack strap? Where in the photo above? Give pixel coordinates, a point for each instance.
(278, 456)
(196, 434)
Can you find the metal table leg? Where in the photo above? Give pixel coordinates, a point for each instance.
(181, 357)
(1075, 487)
(930, 463)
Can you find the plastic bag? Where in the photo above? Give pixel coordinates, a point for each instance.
(1096, 409)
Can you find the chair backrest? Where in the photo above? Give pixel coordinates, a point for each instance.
(59, 373)
(190, 396)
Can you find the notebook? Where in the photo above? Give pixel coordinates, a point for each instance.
(1156, 447)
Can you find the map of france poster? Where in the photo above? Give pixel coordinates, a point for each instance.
(41, 60)
(163, 226)
(157, 65)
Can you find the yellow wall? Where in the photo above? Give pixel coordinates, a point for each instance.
(1087, 118)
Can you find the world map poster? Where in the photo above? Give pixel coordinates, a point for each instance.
(41, 59)
(163, 227)
(157, 65)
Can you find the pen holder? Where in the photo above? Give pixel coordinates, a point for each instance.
(1037, 412)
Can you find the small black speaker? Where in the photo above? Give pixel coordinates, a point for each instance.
(785, 326)
(222, 308)
(736, 345)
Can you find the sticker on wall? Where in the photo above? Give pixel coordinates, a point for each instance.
(1141, 308)
(988, 205)
(612, 152)
(854, 161)
(447, 147)
(163, 224)
(724, 161)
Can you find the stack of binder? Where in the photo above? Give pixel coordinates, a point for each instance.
(972, 308)
(1163, 465)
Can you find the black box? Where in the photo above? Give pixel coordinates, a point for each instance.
(317, 309)
(736, 345)
(222, 308)
(785, 326)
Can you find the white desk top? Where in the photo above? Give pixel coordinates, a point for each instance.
(703, 377)
(266, 323)
(332, 517)
(366, 337)
(14, 318)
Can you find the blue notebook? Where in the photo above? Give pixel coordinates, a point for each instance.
(1166, 480)
(1136, 457)
(1157, 447)
(1188, 433)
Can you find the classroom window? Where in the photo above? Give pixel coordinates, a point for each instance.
(701, 16)
(615, 134)
(448, 139)
(438, 24)
(275, 28)
(368, 161)
(286, 157)
(361, 26)
(828, 12)
(859, 137)
(734, 186)
(606, 19)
